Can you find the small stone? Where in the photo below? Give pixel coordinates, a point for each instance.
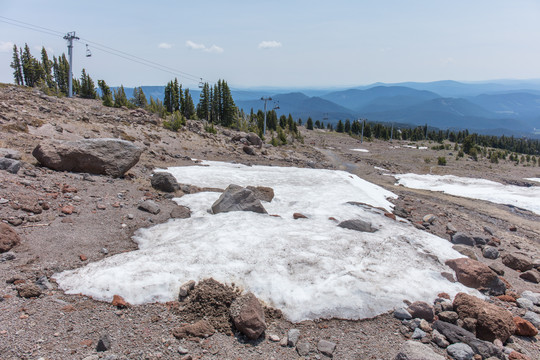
(68, 209)
(498, 268)
(525, 304)
(299, 216)
(273, 338)
(284, 341)
(326, 347)
(292, 337)
(524, 327)
(531, 275)
(448, 316)
(149, 206)
(185, 288)
(533, 318)
(119, 301)
(422, 310)
(101, 206)
(418, 334)
(429, 218)
(182, 350)
(27, 290)
(460, 351)
(302, 348)
(439, 339)
(104, 251)
(104, 343)
(402, 314)
(130, 216)
(83, 257)
(490, 252)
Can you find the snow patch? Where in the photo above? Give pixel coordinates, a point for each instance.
(415, 147)
(523, 197)
(309, 268)
(533, 179)
(361, 150)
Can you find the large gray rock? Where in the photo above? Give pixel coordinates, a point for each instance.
(517, 261)
(455, 334)
(254, 139)
(237, 198)
(164, 181)
(412, 350)
(10, 165)
(462, 238)
(357, 225)
(247, 315)
(460, 351)
(533, 318)
(94, 156)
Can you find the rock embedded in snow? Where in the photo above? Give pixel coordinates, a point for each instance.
(164, 181)
(263, 193)
(412, 350)
(248, 316)
(477, 275)
(180, 212)
(112, 157)
(466, 250)
(357, 225)
(517, 261)
(186, 288)
(237, 198)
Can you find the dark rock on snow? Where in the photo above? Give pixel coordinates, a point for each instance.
(237, 198)
(357, 225)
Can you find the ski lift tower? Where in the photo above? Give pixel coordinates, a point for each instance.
(70, 37)
(276, 106)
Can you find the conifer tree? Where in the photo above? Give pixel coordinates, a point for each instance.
(309, 123)
(203, 107)
(120, 98)
(46, 65)
(347, 127)
(87, 88)
(189, 107)
(139, 99)
(339, 127)
(17, 67)
(106, 94)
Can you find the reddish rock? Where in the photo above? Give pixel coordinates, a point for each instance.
(492, 323)
(444, 295)
(506, 298)
(200, 329)
(422, 310)
(119, 301)
(512, 228)
(68, 209)
(248, 316)
(8, 238)
(494, 241)
(514, 355)
(299, 216)
(390, 215)
(476, 275)
(517, 261)
(83, 257)
(332, 218)
(524, 327)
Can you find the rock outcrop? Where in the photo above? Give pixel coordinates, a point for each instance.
(237, 198)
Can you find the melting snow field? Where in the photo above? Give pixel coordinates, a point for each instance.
(533, 179)
(519, 196)
(308, 268)
(361, 150)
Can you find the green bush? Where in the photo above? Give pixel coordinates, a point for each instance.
(441, 160)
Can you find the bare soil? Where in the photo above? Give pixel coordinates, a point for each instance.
(105, 217)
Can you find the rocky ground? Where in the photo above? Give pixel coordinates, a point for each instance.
(64, 220)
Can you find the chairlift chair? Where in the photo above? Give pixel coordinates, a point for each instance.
(201, 84)
(88, 52)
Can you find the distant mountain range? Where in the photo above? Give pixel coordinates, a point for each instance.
(509, 107)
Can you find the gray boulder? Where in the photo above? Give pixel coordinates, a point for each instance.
(357, 225)
(164, 181)
(460, 351)
(10, 165)
(254, 139)
(461, 238)
(490, 252)
(10, 154)
(412, 350)
(455, 334)
(149, 206)
(237, 198)
(533, 318)
(112, 157)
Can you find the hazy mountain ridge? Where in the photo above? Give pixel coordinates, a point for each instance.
(502, 106)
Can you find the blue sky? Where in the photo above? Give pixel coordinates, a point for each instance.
(286, 43)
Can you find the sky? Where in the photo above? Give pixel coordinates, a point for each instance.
(282, 43)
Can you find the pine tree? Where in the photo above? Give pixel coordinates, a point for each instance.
(17, 67)
(168, 99)
(120, 98)
(176, 95)
(106, 94)
(31, 68)
(228, 107)
(347, 126)
(87, 87)
(309, 124)
(339, 127)
(46, 65)
(203, 108)
(189, 107)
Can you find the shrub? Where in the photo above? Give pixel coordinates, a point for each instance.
(441, 160)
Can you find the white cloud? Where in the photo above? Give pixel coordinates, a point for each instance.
(269, 44)
(212, 49)
(6, 46)
(164, 45)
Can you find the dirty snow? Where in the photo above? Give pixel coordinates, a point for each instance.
(519, 196)
(308, 268)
